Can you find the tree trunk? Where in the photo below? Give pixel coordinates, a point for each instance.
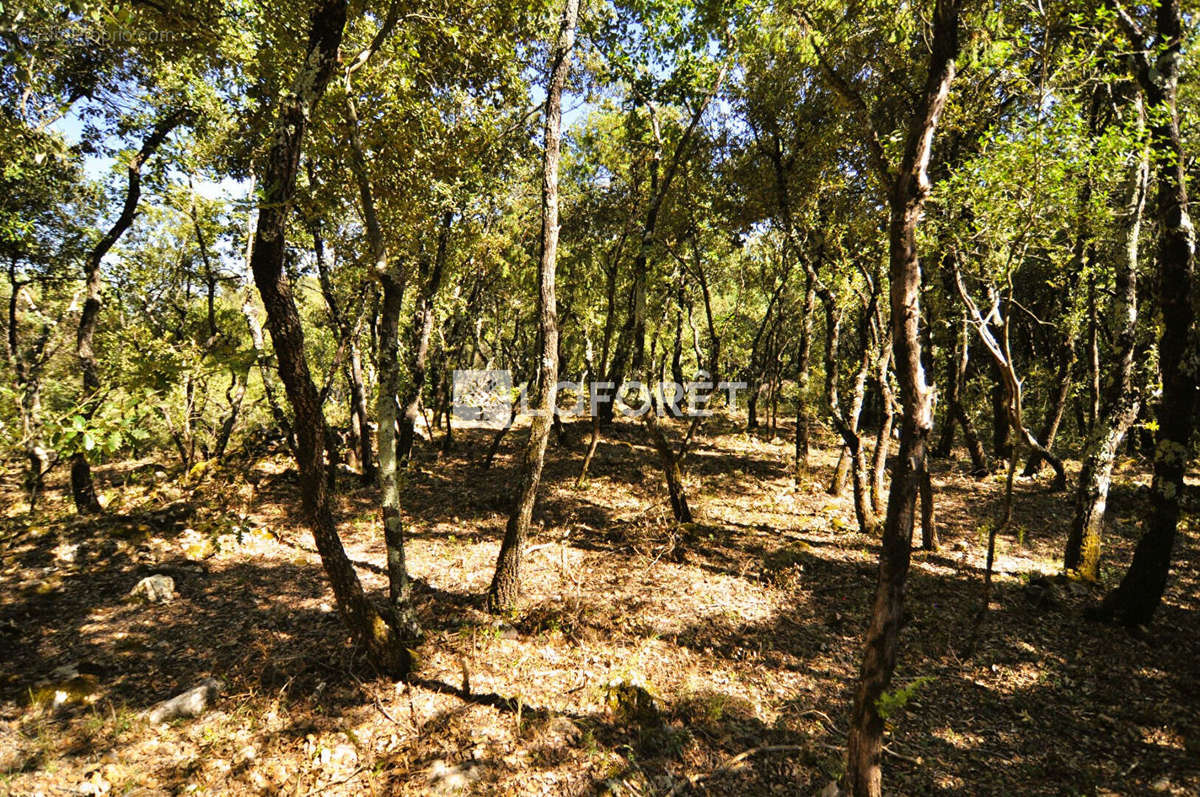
(907, 188)
(83, 490)
(670, 467)
(1093, 406)
(847, 426)
(979, 460)
(1082, 555)
(956, 380)
(360, 419)
(758, 366)
(422, 328)
(610, 298)
(833, 329)
(1135, 601)
(803, 363)
(387, 354)
(27, 364)
(884, 438)
(1001, 355)
(368, 628)
(635, 328)
(929, 533)
(506, 584)
(1001, 429)
(1057, 408)
(386, 411)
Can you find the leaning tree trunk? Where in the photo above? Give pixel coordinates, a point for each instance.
(506, 583)
(422, 329)
(1002, 359)
(847, 426)
(366, 625)
(884, 438)
(803, 377)
(359, 417)
(1082, 555)
(956, 380)
(1135, 601)
(1057, 408)
(907, 189)
(83, 489)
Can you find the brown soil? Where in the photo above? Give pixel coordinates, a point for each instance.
(742, 629)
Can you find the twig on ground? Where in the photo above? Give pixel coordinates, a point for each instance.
(734, 761)
(342, 782)
(915, 761)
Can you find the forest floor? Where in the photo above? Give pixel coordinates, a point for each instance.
(743, 629)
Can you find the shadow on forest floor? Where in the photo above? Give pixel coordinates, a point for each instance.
(645, 653)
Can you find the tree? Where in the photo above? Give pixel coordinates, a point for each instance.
(1137, 597)
(907, 186)
(83, 490)
(370, 629)
(506, 583)
(1122, 400)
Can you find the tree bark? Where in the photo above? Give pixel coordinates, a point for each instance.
(360, 417)
(506, 583)
(884, 438)
(1136, 599)
(28, 364)
(1002, 447)
(367, 626)
(979, 461)
(847, 424)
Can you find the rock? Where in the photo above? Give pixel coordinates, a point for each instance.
(67, 553)
(154, 589)
(65, 687)
(191, 703)
(560, 731)
(1043, 593)
(343, 755)
(196, 546)
(1078, 588)
(95, 784)
(831, 790)
(451, 778)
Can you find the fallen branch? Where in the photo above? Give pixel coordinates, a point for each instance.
(732, 762)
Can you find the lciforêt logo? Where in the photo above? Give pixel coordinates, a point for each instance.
(487, 397)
